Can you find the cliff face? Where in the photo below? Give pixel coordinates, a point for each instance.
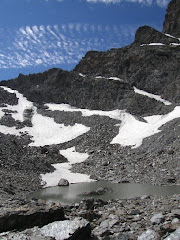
(172, 19)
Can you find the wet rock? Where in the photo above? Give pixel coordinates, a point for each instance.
(149, 235)
(158, 218)
(63, 182)
(99, 191)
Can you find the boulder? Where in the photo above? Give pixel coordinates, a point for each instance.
(158, 218)
(149, 235)
(63, 182)
(77, 229)
(174, 236)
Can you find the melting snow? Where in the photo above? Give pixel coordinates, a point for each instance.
(73, 156)
(82, 75)
(152, 44)
(150, 95)
(168, 35)
(45, 130)
(131, 131)
(63, 169)
(52, 132)
(110, 78)
(175, 44)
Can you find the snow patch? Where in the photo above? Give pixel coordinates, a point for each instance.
(110, 78)
(131, 131)
(63, 169)
(150, 95)
(175, 44)
(82, 75)
(9, 130)
(73, 156)
(45, 131)
(152, 44)
(168, 35)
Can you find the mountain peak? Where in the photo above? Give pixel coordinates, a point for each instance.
(172, 19)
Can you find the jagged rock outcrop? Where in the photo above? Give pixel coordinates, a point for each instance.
(143, 64)
(172, 19)
(60, 86)
(147, 35)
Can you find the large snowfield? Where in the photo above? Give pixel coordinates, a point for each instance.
(45, 131)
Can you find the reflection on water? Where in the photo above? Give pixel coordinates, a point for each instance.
(69, 194)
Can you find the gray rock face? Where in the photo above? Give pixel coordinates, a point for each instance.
(158, 218)
(172, 19)
(149, 235)
(78, 229)
(174, 236)
(149, 35)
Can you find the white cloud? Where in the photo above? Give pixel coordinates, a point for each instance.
(160, 3)
(60, 44)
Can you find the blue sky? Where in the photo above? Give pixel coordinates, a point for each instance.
(36, 35)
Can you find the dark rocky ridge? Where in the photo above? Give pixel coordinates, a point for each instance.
(172, 19)
(60, 86)
(154, 69)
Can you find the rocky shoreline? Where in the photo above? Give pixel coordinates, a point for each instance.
(137, 218)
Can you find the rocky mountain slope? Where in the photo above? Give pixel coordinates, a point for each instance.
(123, 116)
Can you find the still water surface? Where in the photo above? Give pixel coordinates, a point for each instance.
(69, 195)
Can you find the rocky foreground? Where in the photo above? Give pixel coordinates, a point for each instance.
(142, 218)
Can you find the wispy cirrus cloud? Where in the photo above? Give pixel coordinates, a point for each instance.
(160, 3)
(60, 44)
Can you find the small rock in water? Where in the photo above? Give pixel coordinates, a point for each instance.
(63, 182)
(99, 191)
(149, 235)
